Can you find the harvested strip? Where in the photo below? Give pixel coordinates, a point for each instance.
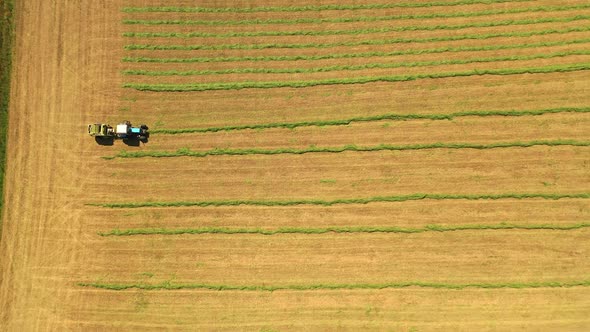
(475, 309)
(339, 20)
(309, 8)
(458, 257)
(352, 80)
(381, 30)
(384, 42)
(401, 198)
(398, 117)
(409, 214)
(167, 285)
(361, 229)
(354, 67)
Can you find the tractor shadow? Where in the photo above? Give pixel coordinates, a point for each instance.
(135, 141)
(104, 140)
(131, 141)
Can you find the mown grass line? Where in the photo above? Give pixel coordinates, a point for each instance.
(132, 47)
(6, 41)
(171, 9)
(551, 9)
(392, 53)
(168, 285)
(163, 87)
(359, 229)
(396, 117)
(324, 69)
(366, 200)
(185, 152)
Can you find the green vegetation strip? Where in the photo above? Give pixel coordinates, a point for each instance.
(168, 285)
(392, 29)
(311, 8)
(397, 117)
(399, 198)
(6, 38)
(355, 67)
(351, 80)
(551, 9)
(185, 152)
(392, 53)
(361, 229)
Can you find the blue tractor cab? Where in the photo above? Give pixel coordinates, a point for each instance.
(127, 132)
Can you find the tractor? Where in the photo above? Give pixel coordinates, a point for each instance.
(125, 131)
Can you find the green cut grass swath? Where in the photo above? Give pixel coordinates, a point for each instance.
(396, 117)
(365, 200)
(351, 229)
(381, 30)
(550, 9)
(162, 87)
(139, 72)
(185, 35)
(409, 4)
(185, 152)
(168, 285)
(391, 53)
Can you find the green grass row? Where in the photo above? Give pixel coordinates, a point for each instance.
(162, 87)
(185, 152)
(168, 285)
(325, 69)
(551, 9)
(383, 54)
(367, 200)
(360, 229)
(170, 9)
(6, 39)
(361, 31)
(396, 117)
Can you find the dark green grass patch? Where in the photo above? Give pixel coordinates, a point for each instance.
(6, 39)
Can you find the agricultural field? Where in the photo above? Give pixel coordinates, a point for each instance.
(404, 165)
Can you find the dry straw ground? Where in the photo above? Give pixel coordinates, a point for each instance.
(469, 212)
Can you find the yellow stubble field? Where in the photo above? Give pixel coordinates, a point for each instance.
(403, 166)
